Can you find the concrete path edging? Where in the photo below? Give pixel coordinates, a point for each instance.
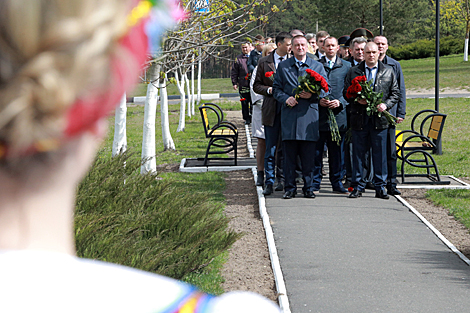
(434, 230)
(275, 262)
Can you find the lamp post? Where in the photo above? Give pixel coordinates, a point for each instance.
(436, 91)
(381, 18)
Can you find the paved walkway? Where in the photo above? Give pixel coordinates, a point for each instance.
(363, 255)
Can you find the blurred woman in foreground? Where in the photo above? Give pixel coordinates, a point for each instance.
(64, 64)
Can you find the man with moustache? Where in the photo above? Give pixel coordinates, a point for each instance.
(399, 111)
(371, 131)
(271, 110)
(336, 70)
(299, 117)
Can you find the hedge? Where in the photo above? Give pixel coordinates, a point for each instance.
(426, 48)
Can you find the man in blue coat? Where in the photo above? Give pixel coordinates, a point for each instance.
(336, 70)
(299, 117)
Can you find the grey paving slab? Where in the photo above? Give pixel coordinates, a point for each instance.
(363, 255)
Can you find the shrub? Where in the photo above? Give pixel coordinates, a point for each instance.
(136, 220)
(426, 48)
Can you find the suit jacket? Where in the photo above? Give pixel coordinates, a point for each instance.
(336, 76)
(386, 82)
(400, 109)
(238, 73)
(261, 86)
(253, 59)
(300, 122)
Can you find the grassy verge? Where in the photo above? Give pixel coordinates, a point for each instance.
(174, 226)
(453, 73)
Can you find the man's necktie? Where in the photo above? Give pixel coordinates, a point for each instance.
(330, 63)
(281, 58)
(369, 74)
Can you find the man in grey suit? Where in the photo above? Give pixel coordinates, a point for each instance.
(299, 117)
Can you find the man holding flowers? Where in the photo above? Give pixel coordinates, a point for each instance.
(298, 85)
(332, 132)
(370, 118)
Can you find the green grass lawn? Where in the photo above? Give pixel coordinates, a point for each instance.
(210, 85)
(453, 73)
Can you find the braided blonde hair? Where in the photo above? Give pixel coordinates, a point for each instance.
(53, 52)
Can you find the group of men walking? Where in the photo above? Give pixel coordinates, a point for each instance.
(296, 126)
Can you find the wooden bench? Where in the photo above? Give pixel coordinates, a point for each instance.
(415, 148)
(223, 135)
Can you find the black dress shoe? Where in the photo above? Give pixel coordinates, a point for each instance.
(309, 194)
(339, 189)
(289, 194)
(279, 187)
(393, 191)
(268, 190)
(355, 194)
(370, 185)
(260, 179)
(382, 194)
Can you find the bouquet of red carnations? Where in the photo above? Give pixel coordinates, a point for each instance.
(314, 83)
(362, 89)
(311, 82)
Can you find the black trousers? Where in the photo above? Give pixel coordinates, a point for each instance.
(305, 150)
(245, 99)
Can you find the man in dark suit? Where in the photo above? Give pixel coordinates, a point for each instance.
(371, 131)
(271, 110)
(321, 36)
(241, 82)
(255, 54)
(399, 111)
(299, 117)
(336, 70)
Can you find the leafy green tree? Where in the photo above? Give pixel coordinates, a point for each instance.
(455, 17)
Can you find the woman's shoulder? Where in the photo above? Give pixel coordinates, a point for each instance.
(32, 281)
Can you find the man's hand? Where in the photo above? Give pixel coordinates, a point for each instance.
(362, 101)
(305, 95)
(235, 87)
(324, 103)
(399, 120)
(381, 107)
(333, 104)
(291, 102)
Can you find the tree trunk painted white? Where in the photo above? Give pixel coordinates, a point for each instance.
(168, 143)
(193, 96)
(188, 91)
(199, 79)
(180, 85)
(120, 136)
(148, 137)
(465, 50)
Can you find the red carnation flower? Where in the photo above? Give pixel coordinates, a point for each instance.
(359, 79)
(324, 85)
(269, 74)
(242, 99)
(357, 88)
(350, 189)
(317, 76)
